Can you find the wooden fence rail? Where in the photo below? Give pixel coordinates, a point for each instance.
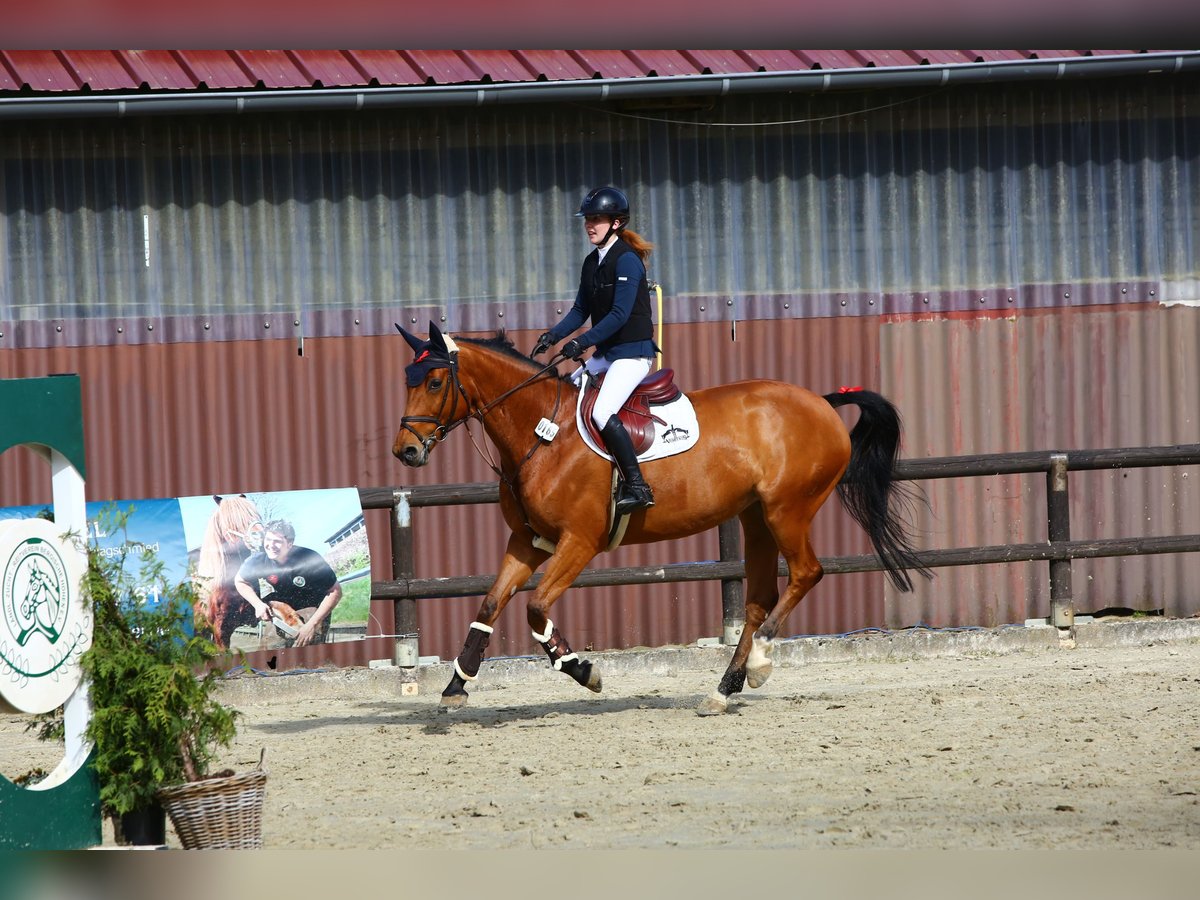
(404, 589)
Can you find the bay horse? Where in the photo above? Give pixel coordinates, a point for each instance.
(770, 453)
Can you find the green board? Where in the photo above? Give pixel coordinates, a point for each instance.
(48, 412)
(61, 818)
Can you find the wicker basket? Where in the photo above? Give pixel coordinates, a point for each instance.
(218, 813)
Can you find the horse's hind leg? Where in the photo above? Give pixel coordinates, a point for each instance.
(520, 559)
(804, 571)
(762, 593)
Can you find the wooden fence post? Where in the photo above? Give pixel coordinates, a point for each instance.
(405, 651)
(1062, 611)
(733, 610)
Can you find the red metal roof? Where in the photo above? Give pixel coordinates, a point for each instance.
(80, 71)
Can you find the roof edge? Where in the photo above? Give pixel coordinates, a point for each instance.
(125, 105)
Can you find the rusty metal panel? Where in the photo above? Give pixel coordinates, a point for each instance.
(273, 68)
(329, 68)
(607, 64)
(1075, 379)
(554, 65)
(962, 253)
(442, 66)
(214, 69)
(41, 70)
(100, 70)
(159, 69)
(497, 65)
(228, 416)
(661, 63)
(386, 67)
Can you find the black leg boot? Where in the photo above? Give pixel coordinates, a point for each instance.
(634, 493)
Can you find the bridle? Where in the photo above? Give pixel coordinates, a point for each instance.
(441, 428)
(453, 389)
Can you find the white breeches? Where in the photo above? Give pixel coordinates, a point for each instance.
(623, 376)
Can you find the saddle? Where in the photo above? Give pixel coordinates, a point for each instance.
(635, 414)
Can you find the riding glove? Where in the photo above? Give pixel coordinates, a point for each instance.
(543, 344)
(573, 350)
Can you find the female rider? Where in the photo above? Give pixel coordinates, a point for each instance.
(614, 293)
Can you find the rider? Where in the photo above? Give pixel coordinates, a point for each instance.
(613, 291)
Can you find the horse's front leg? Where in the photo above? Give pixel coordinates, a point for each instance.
(565, 565)
(521, 558)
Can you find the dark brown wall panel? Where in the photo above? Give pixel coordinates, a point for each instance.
(183, 419)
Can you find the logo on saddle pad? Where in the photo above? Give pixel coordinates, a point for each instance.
(675, 433)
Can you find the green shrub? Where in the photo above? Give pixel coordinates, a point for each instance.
(155, 719)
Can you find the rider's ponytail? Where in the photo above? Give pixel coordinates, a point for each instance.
(640, 245)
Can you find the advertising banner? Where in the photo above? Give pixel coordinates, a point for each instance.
(281, 569)
(270, 570)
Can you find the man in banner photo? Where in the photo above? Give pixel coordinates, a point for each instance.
(283, 579)
(224, 531)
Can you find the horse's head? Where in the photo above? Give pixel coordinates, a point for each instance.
(237, 519)
(234, 530)
(436, 401)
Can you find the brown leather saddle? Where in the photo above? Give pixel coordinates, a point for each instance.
(635, 414)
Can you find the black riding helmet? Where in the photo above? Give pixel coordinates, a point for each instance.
(605, 201)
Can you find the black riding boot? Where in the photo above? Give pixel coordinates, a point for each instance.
(634, 493)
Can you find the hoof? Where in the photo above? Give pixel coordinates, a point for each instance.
(714, 704)
(593, 679)
(759, 665)
(584, 673)
(756, 678)
(451, 702)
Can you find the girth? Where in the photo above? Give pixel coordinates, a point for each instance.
(635, 414)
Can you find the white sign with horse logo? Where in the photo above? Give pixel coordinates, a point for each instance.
(45, 624)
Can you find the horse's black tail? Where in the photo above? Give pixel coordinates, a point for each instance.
(869, 491)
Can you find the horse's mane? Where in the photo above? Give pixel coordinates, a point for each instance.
(229, 521)
(502, 343)
(221, 553)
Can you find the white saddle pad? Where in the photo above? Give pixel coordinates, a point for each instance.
(680, 432)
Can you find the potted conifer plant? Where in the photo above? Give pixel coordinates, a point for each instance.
(157, 724)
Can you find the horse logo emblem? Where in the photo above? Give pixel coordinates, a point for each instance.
(45, 624)
(675, 433)
(35, 592)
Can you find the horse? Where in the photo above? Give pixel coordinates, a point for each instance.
(233, 532)
(769, 452)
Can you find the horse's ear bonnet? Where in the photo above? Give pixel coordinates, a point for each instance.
(413, 341)
(431, 354)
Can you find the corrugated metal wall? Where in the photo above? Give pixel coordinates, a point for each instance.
(191, 419)
(1122, 376)
(998, 261)
(846, 204)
